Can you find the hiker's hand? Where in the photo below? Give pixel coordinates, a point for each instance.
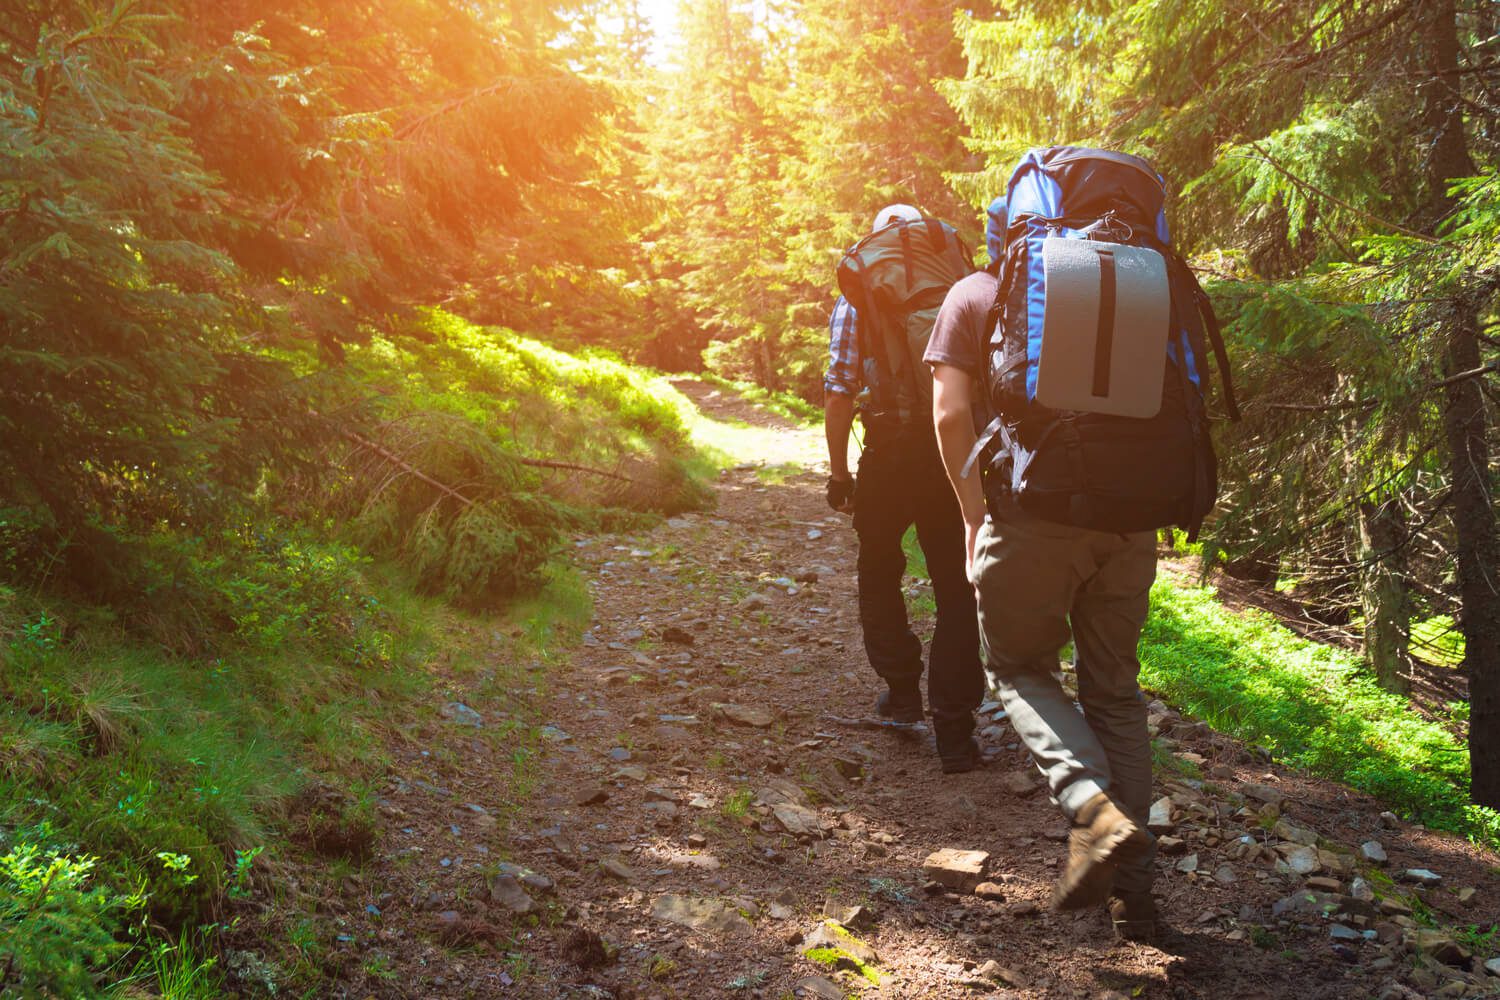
(840, 493)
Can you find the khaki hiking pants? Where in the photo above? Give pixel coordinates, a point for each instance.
(1035, 579)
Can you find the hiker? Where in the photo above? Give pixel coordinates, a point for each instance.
(1061, 529)
(876, 370)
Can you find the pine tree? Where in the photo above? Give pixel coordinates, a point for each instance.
(199, 203)
(780, 137)
(130, 391)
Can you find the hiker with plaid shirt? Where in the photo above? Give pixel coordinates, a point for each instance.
(901, 483)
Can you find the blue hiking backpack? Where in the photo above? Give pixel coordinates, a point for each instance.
(1097, 352)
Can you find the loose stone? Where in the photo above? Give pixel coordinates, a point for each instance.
(989, 890)
(957, 869)
(1421, 876)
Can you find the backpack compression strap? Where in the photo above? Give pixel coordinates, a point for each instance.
(1199, 316)
(1216, 338)
(985, 442)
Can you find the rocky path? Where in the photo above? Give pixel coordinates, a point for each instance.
(713, 817)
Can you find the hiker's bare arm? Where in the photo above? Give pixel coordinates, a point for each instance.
(838, 418)
(952, 396)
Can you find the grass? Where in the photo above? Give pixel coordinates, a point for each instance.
(1438, 640)
(738, 803)
(776, 475)
(170, 781)
(924, 605)
(466, 405)
(1313, 706)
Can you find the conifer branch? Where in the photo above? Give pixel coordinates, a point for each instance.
(1369, 403)
(1390, 18)
(454, 104)
(1309, 186)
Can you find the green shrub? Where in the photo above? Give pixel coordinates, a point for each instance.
(57, 924)
(483, 448)
(260, 585)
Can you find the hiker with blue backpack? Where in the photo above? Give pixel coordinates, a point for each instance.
(893, 282)
(1084, 348)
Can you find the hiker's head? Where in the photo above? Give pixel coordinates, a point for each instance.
(895, 213)
(994, 229)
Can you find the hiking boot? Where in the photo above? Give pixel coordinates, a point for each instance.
(1102, 837)
(958, 760)
(1134, 916)
(957, 751)
(901, 704)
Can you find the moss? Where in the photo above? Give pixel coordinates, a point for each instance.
(840, 958)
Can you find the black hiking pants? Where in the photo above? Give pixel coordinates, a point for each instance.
(902, 482)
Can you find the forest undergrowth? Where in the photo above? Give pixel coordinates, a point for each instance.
(165, 761)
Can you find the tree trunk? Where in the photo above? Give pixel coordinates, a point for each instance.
(769, 377)
(1464, 417)
(1379, 568)
(1383, 594)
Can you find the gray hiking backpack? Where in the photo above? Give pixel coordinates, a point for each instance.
(896, 279)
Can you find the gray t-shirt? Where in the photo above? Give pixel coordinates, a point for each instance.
(960, 334)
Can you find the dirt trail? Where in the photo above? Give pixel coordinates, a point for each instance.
(699, 810)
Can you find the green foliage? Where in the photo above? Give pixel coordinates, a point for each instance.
(838, 957)
(165, 779)
(57, 923)
(783, 404)
(1312, 705)
(198, 210)
(737, 804)
(179, 970)
(133, 390)
(440, 481)
(261, 585)
(924, 604)
(775, 139)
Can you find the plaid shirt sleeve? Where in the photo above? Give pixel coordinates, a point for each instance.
(843, 375)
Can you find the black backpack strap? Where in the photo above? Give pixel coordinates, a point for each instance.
(1205, 308)
(995, 342)
(937, 235)
(1080, 503)
(1199, 318)
(984, 444)
(1193, 401)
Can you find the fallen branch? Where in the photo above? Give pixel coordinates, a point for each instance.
(406, 466)
(542, 463)
(901, 727)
